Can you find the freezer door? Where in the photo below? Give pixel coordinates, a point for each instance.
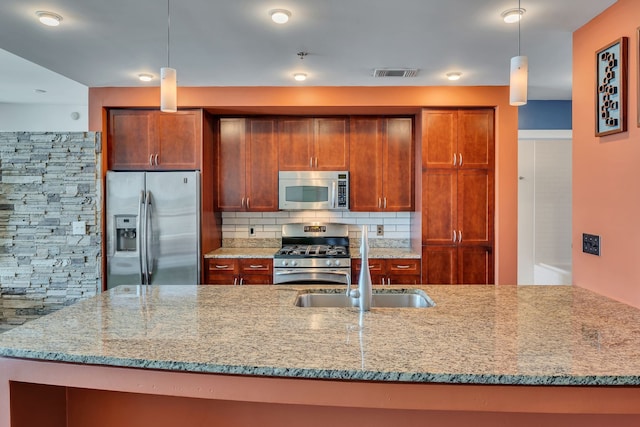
(123, 217)
(173, 239)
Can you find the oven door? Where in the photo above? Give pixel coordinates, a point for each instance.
(290, 276)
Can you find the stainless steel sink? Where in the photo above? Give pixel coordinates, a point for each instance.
(410, 299)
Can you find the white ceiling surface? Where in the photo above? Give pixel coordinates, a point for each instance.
(234, 43)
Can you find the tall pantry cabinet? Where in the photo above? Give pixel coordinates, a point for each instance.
(458, 168)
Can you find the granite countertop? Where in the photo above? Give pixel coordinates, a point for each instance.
(548, 335)
(375, 253)
(242, 253)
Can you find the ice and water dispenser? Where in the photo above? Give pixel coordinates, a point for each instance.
(126, 233)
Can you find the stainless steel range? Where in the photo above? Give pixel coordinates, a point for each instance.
(313, 253)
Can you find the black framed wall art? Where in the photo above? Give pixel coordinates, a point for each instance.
(611, 88)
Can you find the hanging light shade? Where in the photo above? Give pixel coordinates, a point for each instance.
(168, 90)
(519, 80)
(519, 75)
(168, 78)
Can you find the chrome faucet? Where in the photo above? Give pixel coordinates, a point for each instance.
(364, 293)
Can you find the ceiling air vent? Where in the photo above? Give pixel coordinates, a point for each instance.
(395, 72)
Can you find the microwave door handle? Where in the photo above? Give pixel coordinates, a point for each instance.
(333, 194)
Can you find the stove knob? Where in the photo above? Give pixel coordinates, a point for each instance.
(337, 263)
(328, 262)
(294, 263)
(284, 263)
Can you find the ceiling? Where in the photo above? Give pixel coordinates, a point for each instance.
(234, 43)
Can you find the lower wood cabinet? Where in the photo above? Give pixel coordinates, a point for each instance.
(463, 265)
(397, 271)
(239, 271)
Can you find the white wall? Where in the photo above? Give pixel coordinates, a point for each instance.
(544, 204)
(43, 118)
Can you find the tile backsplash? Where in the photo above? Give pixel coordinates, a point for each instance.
(268, 225)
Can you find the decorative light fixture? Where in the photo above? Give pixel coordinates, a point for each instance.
(145, 77)
(511, 16)
(519, 75)
(300, 77)
(453, 76)
(280, 16)
(168, 77)
(49, 18)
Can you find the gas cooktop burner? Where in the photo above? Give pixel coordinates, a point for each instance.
(310, 251)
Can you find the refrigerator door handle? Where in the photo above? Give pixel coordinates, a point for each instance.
(140, 239)
(147, 236)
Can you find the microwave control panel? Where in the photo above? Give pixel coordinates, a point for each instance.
(343, 196)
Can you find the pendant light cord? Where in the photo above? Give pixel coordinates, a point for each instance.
(520, 12)
(169, 34)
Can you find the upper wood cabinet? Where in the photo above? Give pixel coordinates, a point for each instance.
(152, 140)
(382, 164)
(246, 164)
(314, 144)
(460, 139)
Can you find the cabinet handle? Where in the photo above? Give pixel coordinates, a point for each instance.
(379, 202)
(455, 160)
(156, 159)
(235, 281)
(385, 203)
(150, 159)
(403, 266)
(460, 159)
(310, 162)
(222, 266)
(241, 281)
(242, 203)
(454, 236)
(256, 266)
(316, 162)
(247, 203)
(459, 236)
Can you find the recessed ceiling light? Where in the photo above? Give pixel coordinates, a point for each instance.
(300, 77)
(280, 16)
(511, 16)
(145, 77)
(454, 75)
(49, 18)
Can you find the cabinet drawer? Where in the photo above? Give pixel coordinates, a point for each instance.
(228, 265)
(403, 266)
(256, 266)
(375, 265)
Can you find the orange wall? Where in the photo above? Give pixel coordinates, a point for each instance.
(357, 100)
(606, 170)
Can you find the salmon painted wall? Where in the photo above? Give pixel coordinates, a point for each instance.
(357, 100)
(606, 170)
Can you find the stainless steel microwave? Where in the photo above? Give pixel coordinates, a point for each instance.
(313, 190)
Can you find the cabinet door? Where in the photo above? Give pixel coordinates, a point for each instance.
(401, 279)
(439, 265)
(475, 265)
(475, 207)
(221, 271)
(262, 166)
(256, 279)
(130, 139)
(439, 206)
(365, 175)
(439, 138)
(475, 139)
(331, 144)
(178, 138)
(230, 164)
(398, 165)
(295, 144)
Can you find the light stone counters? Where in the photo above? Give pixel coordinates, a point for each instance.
(242, 253)
(549, 335)
(375, 253)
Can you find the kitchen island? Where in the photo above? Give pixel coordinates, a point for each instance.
(240, 356)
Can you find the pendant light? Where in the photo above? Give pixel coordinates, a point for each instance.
(519, 75)
(168, 78)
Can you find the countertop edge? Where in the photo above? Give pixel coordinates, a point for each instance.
(332, 374)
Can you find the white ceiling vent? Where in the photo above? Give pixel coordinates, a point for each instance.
(395, 72)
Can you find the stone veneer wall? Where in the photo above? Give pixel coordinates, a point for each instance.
(48, 180)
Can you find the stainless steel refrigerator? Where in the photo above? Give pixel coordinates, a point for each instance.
(153, 228)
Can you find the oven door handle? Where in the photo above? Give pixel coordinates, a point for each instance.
(312, 270)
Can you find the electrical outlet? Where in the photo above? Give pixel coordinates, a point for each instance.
(591, 244)
(380, 230)
(252, 231)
